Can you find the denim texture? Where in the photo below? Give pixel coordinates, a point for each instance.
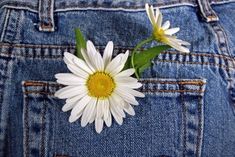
(189, 108)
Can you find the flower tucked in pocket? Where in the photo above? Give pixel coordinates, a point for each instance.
(170, 118)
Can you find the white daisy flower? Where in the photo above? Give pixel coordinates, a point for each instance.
(98, 89)
(163, 33)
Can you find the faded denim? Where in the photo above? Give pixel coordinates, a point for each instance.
(189, 108)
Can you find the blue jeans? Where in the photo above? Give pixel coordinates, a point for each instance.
(189, 108)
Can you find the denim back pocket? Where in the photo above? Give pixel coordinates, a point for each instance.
(168, 122)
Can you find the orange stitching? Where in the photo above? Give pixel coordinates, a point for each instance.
(34, 83)
(27, 84)
(200, 83)
(174, 82)
(172, 91)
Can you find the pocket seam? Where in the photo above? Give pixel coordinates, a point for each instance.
(200, 83)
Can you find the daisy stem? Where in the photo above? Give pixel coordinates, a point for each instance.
(139, 45)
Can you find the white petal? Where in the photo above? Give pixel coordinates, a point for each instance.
(73, 118)
(87, 59)
(93, 115)
(99, 62)
(159, 19)
(70, 91)
(172, 31)
(116, 116)
(75, 98)
(129, 109)
(94, 56)
(77, 71)
(108, 52)
(99, 125)
(177, 46)
(179, 41)
(126, 73)
(131, 85)
(99, 110)
(87, 113)
(131, 91)
(81, 105)
(114, 63)
(120, 66)
(106, 108)
(108, 120)
(117, 104)
(107, 115)
(82, 65)
(69, 83)
(71, 102)
(125, 80)
(166, 25)
(69, 57)
(150, 14)
(68, 106)
(126, 96)
(70, 79)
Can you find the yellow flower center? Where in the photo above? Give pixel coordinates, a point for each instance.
(159, 34)
(100, 85)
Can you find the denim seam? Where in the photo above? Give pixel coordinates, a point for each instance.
(222, 38)
(3, 78)
(59, 57)
(224, 56)
(184, 115)
(6, 21)
(197, 63)
(183, 82)
(12, 27)
(200, 126)
(140, 9)
(221, 2)
(144, 91)
(147, 90)
(32, 8)
(26, 124)
(43, 134)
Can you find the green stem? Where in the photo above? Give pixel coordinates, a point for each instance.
(139, 45)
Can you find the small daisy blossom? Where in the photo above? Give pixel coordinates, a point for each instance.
(97, 89)
(163, 33)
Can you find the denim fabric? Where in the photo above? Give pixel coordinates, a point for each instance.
(189, 108)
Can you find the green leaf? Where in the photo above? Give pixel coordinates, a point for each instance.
(141, 69)
(142, 60)
(80, 42)
(144, 57)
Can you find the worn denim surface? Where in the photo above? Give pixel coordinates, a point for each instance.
(189, 108)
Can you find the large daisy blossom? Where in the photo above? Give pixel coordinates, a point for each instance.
(164, 33)
(98, 89)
